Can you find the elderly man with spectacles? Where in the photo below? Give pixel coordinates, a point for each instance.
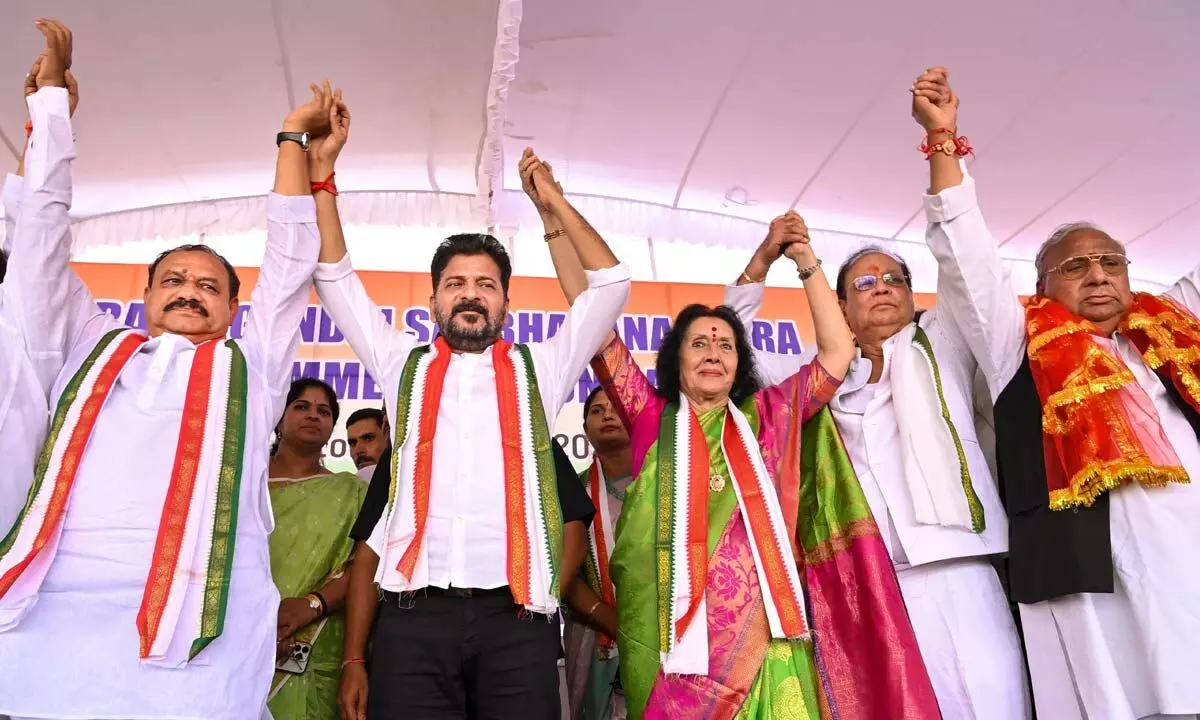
(907, 414)
(1097, 425)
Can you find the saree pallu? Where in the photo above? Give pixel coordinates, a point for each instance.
(310, 546)
(862, 659)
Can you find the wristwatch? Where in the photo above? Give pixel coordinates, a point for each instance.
(315, 603)
(300, 139)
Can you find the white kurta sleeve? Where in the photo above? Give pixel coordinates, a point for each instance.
(280, 297)
(771, 368)
(51, 308)
(1186, 292)
(560, 360)
(974, 288)
(380, 347)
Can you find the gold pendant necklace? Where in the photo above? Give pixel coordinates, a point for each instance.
(716, 483)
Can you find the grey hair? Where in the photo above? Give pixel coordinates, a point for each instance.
(1060, 234)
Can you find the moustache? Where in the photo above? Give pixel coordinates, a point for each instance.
(185, 303)
(469, 306)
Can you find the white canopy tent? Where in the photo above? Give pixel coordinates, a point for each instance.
(679, 127)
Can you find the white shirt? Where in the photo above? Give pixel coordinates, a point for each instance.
(75, 654)
(866, 418)
(466, 528)
(23, 413)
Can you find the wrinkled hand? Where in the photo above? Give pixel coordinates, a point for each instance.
(31, 85)
(56, 59)
(323, 151)
(786, 229)
(352, 695)
(934, 104)
(313, 116)
(537, 180)
(294, 613)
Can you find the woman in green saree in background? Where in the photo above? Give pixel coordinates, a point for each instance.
(310, 551)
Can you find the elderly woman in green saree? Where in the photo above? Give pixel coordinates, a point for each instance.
(310, 551)
(751, 580)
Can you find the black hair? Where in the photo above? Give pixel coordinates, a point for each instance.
(3, 264)
(844, 270)
(298, 388)
(667, 364)
(366, 414)
(591, 398)
(235, 285)
(470, 244)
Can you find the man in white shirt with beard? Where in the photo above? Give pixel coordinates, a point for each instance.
(136, 581)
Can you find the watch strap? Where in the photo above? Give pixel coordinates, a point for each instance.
(300, 139)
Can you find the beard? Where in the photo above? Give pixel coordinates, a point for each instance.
(469, 339)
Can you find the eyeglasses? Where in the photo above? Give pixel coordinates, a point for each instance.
(1073, 268)
(866, 283)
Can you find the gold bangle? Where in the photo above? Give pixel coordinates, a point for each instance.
(592, 610)
(555, 233)
(746, 276)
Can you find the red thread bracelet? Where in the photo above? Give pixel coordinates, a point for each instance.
(354, 661)
(28, 128)
(957, 146)
(326, 185)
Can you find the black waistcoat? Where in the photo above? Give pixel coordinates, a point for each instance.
(1051, 552)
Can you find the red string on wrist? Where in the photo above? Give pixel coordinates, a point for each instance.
(353, 661)
(28, 128)
(326, 185)
(956, 145)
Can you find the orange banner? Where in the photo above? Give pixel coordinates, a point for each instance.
(536, 309)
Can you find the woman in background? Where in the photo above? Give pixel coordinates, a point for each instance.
(310, 551)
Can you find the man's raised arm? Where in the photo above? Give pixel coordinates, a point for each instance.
(974, 290)
(281, 295)
(50, 307)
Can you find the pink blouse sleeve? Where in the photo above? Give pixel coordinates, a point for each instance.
(624, 382)
(808, 391)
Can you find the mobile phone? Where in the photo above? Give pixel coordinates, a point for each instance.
(296, 661)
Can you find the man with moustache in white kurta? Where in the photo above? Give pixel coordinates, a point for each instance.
(136, 581)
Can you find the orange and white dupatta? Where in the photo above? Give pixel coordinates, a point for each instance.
(683, 536)
(199, 520)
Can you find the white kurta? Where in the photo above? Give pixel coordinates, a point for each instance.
(1116, 656)
(466, 535)
(74, 654)
(960, 614)
(23, 413)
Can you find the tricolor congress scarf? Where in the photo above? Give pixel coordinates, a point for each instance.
(682, 540)
(600, 545)
(199, 520)
(531, 494)
(1089, 396)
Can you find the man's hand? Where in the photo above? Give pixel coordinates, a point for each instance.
(72, 85)
(56, 59)
(313, 116)
(537, 180)
(294, 613)
(352, 695)
(934, 106)
(323, 151)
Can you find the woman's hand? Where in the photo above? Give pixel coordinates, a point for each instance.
(294, 614)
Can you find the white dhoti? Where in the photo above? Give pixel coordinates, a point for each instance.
(1128, 655)
(968, 639)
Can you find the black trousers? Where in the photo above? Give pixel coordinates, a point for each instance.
(438, 656)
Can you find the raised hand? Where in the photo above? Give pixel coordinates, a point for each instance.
(313, 117)
(56, 59)
(537, 180)
(72, 85)
(934, 106)
(323, 151)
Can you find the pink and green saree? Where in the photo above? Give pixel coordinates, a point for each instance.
(858, 658)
